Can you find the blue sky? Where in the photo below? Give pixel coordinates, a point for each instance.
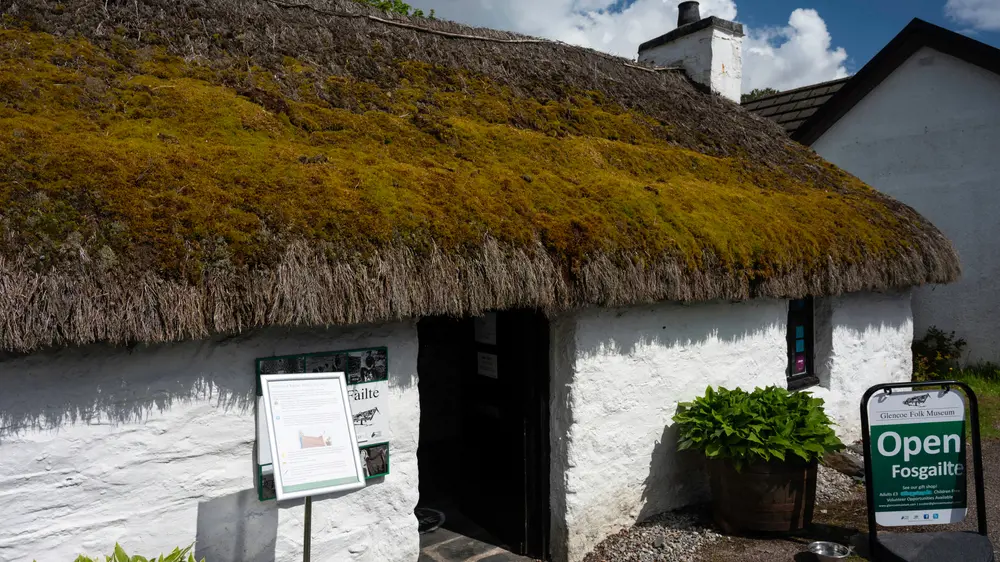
(789, 43)
(861, 27)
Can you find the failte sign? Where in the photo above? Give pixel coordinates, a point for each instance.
(917, 441)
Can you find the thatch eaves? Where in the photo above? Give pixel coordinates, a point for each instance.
(171, 169)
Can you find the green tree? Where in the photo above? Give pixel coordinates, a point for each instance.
(758, 93)
(397, 7)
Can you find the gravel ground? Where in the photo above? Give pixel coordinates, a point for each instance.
(665, 538)
(676, 535)
(833, 486)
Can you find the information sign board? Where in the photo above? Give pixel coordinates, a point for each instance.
(917, 454)
(310, 427)
(368, 388)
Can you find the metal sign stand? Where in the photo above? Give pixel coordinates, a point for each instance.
(307, 524)
(876, 549)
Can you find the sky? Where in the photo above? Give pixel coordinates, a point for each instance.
(789, 43)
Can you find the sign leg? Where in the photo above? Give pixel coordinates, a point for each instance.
(307, 539)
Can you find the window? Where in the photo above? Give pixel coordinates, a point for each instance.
(801, 344)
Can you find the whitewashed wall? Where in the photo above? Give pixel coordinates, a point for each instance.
(711, 56)
(928, 136)
(617, 376)
(152, 448)
(870, 337)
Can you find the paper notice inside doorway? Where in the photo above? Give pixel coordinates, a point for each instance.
(487, 365)
(486, 328)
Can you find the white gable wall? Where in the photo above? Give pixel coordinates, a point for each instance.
(153, 449)
(619, 374)
(929, 135)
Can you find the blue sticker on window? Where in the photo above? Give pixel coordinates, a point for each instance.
(800, 332)
(800, 346)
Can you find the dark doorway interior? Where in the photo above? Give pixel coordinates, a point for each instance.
(483, 453)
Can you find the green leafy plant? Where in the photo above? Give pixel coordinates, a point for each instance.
(396, 7)
(936, 355)
(178, 555)
(747, 427)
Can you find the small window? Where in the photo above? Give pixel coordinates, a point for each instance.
(800, 344)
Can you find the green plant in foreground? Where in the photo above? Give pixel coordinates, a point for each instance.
(178, 555)
(747, 427)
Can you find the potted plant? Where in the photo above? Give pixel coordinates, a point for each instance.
(762, 450)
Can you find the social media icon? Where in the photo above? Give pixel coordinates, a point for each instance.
(935, 516)
(927, 516)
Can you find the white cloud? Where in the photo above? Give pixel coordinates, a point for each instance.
(782, 57)
(983, 15)
(590, 23)
(798, 54)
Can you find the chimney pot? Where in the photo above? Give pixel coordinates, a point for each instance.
(687, 12)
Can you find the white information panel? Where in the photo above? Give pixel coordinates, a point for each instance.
(311, 429)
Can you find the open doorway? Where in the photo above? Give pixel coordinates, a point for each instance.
(484, 442)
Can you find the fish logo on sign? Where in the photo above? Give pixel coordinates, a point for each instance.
(917, 400)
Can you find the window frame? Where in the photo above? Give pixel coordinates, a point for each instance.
(805, 317)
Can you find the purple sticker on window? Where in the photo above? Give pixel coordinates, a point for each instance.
(800, 364)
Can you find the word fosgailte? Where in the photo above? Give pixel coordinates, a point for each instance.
(891, 444)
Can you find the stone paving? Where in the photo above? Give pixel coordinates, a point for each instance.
(443, 545)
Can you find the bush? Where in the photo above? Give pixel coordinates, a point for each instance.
(178, 555)
(936, 355)
(396, 7)
(744, 428)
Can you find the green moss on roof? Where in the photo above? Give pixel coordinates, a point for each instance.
(206, 194)
(165, 159)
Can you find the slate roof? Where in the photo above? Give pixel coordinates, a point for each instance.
(791, 108)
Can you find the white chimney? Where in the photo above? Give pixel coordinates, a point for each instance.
(710, 50)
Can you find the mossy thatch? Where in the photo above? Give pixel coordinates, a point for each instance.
(174, 168)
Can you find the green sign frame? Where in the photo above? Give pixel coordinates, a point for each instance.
(299, 364)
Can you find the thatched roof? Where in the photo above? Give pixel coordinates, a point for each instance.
(176, 168)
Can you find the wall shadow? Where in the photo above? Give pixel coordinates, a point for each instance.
(695, 324)
(675, 479)
(237, 528)
(683, 325)
(105, 385)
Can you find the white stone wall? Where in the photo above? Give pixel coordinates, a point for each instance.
(152, 448)
(710, 56)
(870, 337)
(928, 136)
(618, 376)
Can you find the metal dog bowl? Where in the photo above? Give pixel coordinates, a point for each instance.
(829, 551)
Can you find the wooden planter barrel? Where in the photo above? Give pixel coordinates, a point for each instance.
(771, 497)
